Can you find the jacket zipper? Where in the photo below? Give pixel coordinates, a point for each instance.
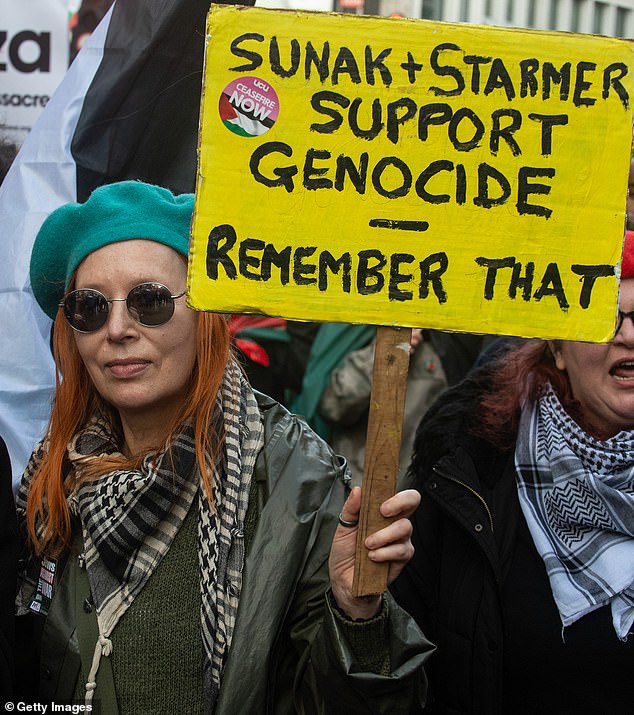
(469, 489)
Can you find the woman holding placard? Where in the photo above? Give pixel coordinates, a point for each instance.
(191, 543)
(523, 573)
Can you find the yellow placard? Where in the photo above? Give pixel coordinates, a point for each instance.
(404, 172)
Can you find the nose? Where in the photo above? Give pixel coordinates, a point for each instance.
(120, 324)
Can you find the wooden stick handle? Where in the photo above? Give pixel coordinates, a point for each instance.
(385, 425)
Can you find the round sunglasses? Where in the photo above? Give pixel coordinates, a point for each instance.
(150, 304)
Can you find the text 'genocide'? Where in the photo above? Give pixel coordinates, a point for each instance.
(447, 71)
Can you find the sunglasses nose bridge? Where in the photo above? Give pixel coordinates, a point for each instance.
(119, 318)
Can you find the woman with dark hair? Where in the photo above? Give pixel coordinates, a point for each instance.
(523, 573)
(192, 543)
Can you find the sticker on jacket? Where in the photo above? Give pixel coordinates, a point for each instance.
(41, 601)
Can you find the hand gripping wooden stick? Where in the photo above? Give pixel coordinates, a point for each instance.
(383, 443)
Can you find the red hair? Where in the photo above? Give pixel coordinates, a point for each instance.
(519, 375)
(76, 400)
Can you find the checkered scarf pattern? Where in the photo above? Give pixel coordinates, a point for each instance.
(130, 518)
(577, 494)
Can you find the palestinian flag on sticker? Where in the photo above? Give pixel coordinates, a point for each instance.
(241, 121)
(126, 109)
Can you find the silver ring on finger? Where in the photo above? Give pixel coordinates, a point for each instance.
(347, 524)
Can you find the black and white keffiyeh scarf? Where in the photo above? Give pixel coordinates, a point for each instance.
(577, 495)
(130, 518)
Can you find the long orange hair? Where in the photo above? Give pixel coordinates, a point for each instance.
(48, 518)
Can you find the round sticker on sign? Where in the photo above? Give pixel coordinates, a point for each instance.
(248, 106)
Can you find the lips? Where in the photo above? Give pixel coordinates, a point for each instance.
(128, 367)
(623, 370)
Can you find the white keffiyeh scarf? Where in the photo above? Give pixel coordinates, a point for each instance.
(577, 495)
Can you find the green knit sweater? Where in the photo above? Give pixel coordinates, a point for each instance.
(156, 646)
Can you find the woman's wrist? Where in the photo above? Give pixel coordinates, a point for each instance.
(363, 608)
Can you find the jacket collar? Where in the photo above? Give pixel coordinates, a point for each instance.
(487, 509)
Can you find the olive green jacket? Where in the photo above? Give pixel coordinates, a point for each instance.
(289, 652)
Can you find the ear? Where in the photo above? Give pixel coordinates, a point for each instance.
(555, 348)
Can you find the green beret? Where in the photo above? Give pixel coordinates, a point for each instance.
(113, 213)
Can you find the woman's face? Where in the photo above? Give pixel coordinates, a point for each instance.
(602, 376)
(141, 371)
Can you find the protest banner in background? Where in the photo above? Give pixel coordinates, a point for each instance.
(400, 172)
(127, 108)
(34, 49)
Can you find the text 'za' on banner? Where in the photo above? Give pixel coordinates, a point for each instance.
(403, 172)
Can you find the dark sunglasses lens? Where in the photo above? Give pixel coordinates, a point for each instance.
(86, 310)
(150, 304)
(621, 316)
